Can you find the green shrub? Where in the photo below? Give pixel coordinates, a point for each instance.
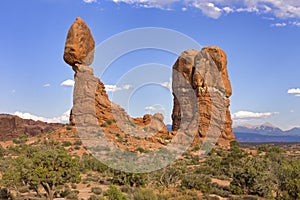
(255, 177)
(131, 179)
(109, 122)
(22, 139)
(96, 190)
(5, 194)
(68, 127)
(144, 194)
(268, 148)
(24, 189)
(66, 144)
(200, 182)
(113, 193)
(73, 195)
(94, 197)
(141, 150)
(77, 147)
(78, 142)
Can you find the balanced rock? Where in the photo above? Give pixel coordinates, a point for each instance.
(201, 89)
(92, 110)
(80, 44)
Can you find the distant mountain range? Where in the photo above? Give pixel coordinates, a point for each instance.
(265, 133)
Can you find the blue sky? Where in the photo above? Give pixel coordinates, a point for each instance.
(260, 37)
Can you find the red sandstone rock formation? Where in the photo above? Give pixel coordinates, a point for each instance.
(13, 126)
(201, 89)
(91, 105)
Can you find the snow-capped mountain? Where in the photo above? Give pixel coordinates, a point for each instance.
(265, 133)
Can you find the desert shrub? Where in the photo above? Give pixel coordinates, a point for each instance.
(144, 194)
(141, 150)
(96, 190)
(109, 122)
(169, 176)
(256, 177)
(24, 189)
(66, 143)
(113, 193)
(21, 139)
(127, 189)
(68, 127)
(78, 142)
(94, 197)
(92, 178)
(200, 182)
(288, 173)
(89, 162)
(77, 147)
(5, 194)
(74, 186)
(131, 179)
(270, 149)
(73, 195)
(65, 192)
(2, 151)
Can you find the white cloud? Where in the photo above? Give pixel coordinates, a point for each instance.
(279, 24)
(184, 9)
(64, 118)
(247, 9)
(114, 88)
(294, 91)
(208, 9)
(68, 83)
(295, 23)
(215, 8)
(47, 85)
(228, 9)
(167, 84)
(155, 109)
(252, 115)
(89, 1)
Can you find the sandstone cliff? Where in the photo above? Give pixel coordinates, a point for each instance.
(13, 126)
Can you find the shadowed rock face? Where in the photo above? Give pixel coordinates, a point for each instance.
(201, 89)
(80, 44)
(13, 126)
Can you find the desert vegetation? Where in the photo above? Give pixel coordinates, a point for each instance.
(49, 169)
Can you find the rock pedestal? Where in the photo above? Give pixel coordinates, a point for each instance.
(201, 90)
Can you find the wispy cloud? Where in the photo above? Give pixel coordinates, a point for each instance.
(208, 9)
(89, 1)
(252, 115)
(47, 85)
(64, 118)
(167, 84)
(295, 23)
(294, 91)
(114, 88)
(279, 24)
(216, 8)
(68, 83)
(155, 109)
